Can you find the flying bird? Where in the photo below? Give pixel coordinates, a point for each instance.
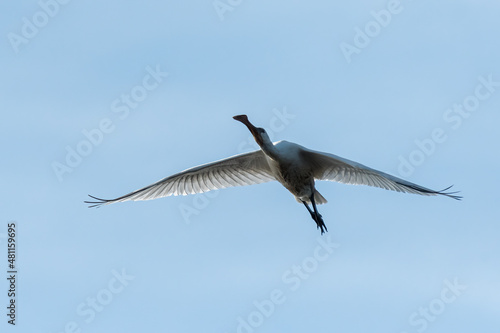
(293, 165)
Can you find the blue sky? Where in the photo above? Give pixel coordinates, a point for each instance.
(154, 85)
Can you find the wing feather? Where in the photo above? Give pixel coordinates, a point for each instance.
(243, 169)
(334, 168)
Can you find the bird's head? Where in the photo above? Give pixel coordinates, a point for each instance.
(258, 133)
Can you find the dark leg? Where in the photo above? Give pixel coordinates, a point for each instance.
(316, 217)
(310, 211)
(319, 218)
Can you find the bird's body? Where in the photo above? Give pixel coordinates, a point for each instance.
(295, 173)
(293, 165)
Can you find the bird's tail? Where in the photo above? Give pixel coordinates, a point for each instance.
(319, 198)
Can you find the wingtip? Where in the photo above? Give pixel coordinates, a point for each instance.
(425, 191)
(97, 203)
(450, 194)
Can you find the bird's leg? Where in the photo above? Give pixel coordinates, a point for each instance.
(319, 218)
(316, 217)
(310, 211)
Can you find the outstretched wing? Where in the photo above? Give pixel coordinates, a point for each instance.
(334, 168)
(244, 169)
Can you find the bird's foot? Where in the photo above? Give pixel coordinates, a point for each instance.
(320, 224)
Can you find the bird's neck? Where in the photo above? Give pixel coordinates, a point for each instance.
(270, 150)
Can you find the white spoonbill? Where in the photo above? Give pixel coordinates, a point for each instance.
(294, 166)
